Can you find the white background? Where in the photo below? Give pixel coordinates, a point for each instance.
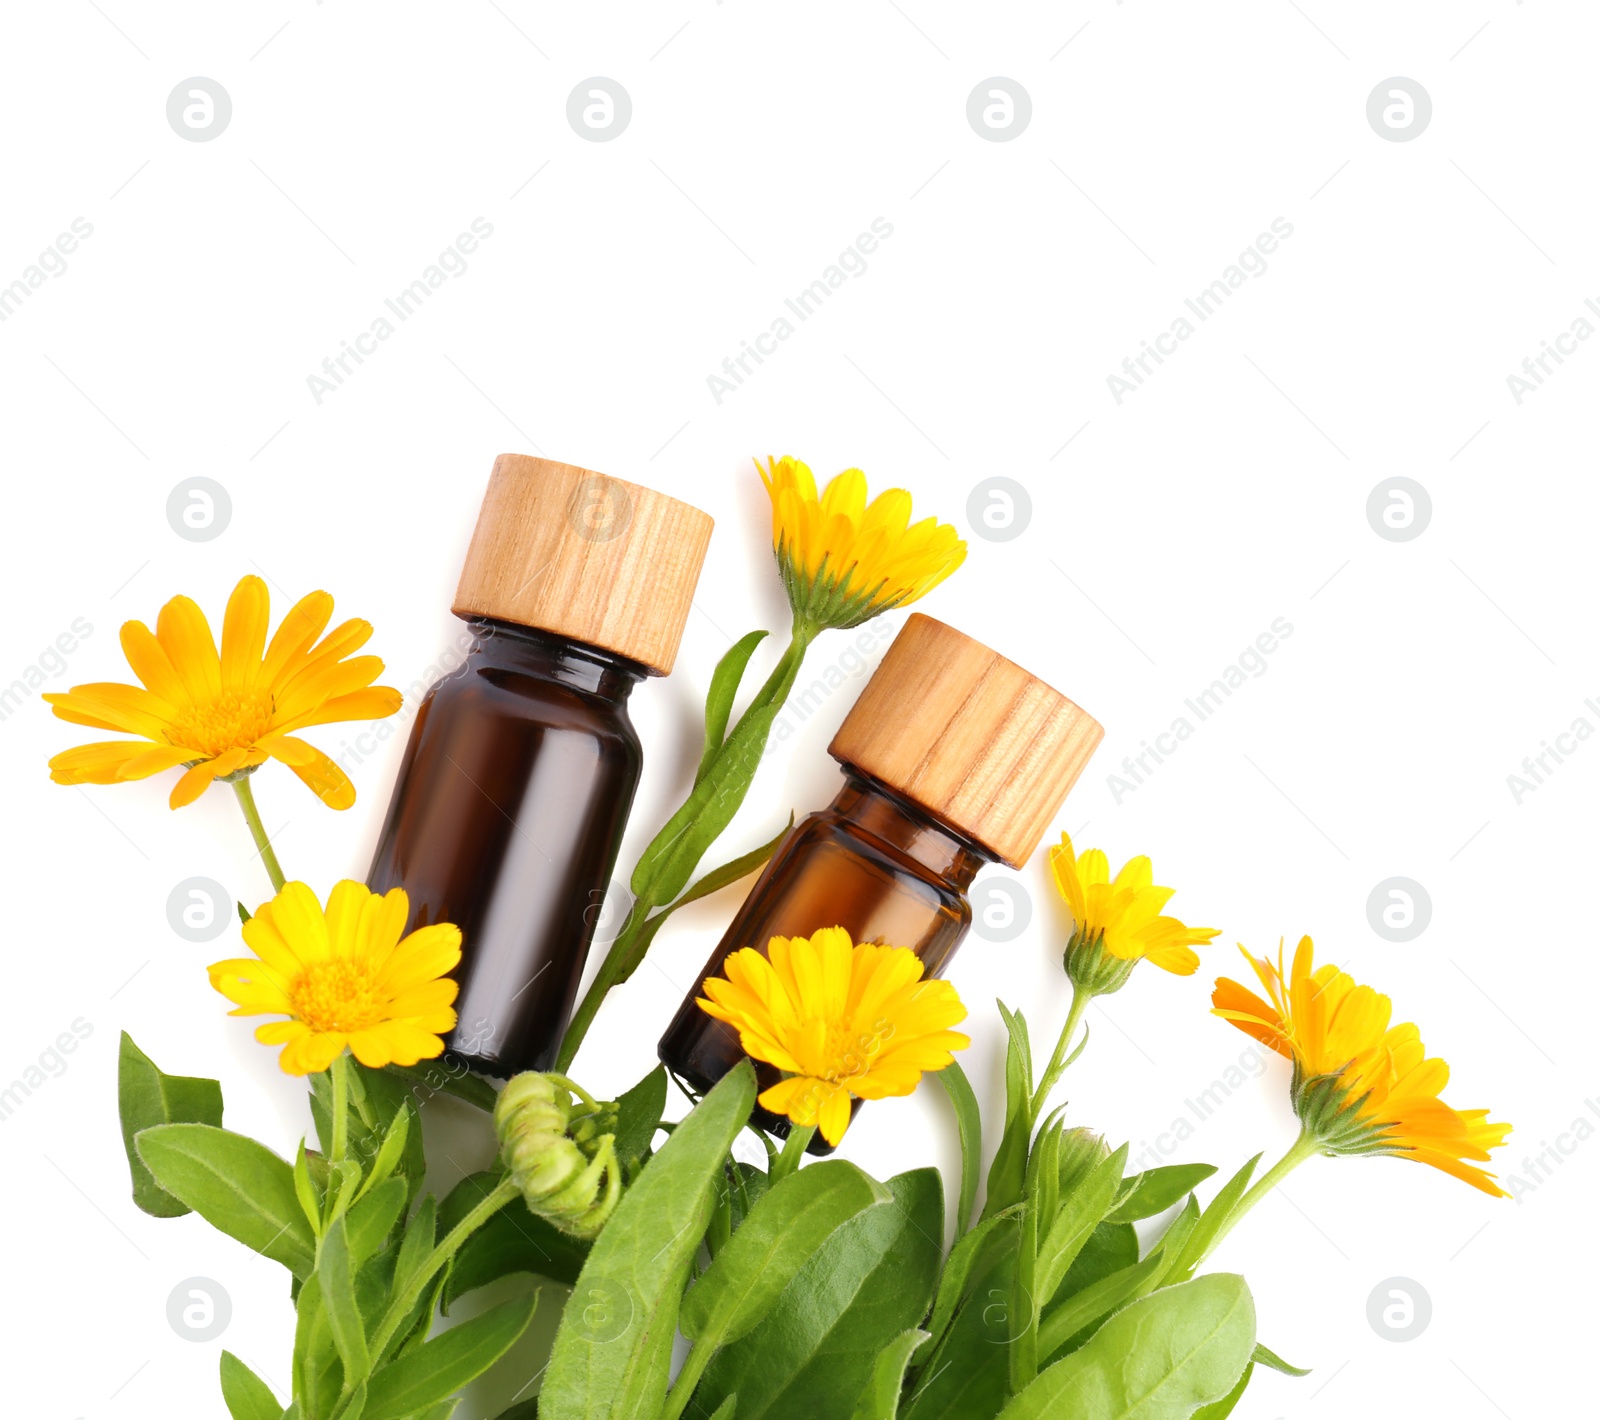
(1167, 532)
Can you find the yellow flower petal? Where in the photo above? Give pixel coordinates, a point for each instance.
(244, 633)
(216, 712)
(1119, 920)
(1384, 1088)
(343, 975)
(845, 560)
(842, 1020)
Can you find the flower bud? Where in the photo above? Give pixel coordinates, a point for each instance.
(562, 1157)
(1094, 970)
(1082, 1150)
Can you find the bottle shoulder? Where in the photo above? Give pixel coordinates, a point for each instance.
(508, 695)
(830, 831)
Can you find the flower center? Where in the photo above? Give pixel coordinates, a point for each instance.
(850, 1051)
(337, 996)
(229, 720)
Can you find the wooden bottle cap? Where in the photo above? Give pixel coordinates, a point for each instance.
(586, 556)
(975, 740)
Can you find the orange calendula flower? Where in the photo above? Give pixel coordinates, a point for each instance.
(224, 713)
(845, 560)
(1360, 1084)
(344, 976)
(1117, 922)
(839, 1020)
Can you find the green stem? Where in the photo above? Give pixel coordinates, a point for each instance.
(341, 1107)
(694, 1366)
(1058, 1061)
(403, 1301)
(252, 816)
(634, 938)
(794, 1148)
(1303, 1148)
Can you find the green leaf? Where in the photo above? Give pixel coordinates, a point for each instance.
(881, 1399)
(953, 1277)
(336, 1271)
(1272, 1361)
(354, 1405)
(714, 881)
(513, 1240)
(734, 869)
(1176, 1237)
(387, 1097)
(522, 1410)
(246, 1395)
(748, 1185)
(1008, 1172)
(316, 1359)
(1111, 1247)
(719, 699)
(1156, 1190)
(1080, 1214)
(421, 1234)
(614, 1345)
(305, 1190)
(1159, 1359)
(789, 1224)
(1211, 1223)
(1094, 1302)
(436, 1078)
(439, 1368)
(969, 1127)
(814, 1353)
(673, 854)
(371, 1218)
(639, 1113)
(1224, 1407)
(147, 1097)
(966, 1376)
(238, 1186)
(390, 1151)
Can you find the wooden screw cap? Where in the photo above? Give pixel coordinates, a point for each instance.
(589, 557)
(975, 740)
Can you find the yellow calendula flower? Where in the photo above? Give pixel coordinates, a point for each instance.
(1117, 922)
(839, 1020)
(1360, 1084)
(844, 559)
(223, 713)
(344, 976)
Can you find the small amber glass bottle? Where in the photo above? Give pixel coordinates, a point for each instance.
(953, 757)
(521, 766)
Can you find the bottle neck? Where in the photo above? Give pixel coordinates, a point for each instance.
(908, 828)
(504, 645)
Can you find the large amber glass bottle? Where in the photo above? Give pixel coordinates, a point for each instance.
(521, 766)
(953, 757)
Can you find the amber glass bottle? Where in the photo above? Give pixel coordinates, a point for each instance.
(953, 757)
(521, 766)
